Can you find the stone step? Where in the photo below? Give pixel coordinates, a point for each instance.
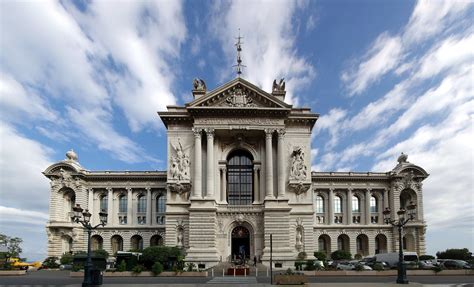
(233, 280)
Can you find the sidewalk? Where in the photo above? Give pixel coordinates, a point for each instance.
(308, 284)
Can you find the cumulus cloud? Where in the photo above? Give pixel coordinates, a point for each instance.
(20, 159)
(269, 50)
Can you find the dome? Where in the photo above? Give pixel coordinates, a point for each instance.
(71, 155)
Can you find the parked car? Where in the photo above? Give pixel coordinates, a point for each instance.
(392, 258)
(365, 267)
(455, 264)
(426, 264)
(345, 266)
(65, 267)
(383, 264)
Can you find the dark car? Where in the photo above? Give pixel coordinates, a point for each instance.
(456, 264)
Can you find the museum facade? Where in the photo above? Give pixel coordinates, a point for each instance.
(239, 169)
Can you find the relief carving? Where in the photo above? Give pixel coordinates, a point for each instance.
(179, 165)
(298, 167)
(238, 98)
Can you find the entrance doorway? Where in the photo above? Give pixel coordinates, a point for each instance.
(240, 243)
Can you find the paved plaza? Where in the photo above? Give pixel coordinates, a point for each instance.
(61, 278)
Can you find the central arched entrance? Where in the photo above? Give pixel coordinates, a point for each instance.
(240, 242)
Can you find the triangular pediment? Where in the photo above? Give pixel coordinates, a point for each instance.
(240, 94)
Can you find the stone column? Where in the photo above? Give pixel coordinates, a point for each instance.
(256, 190)
(385, 199)
(149, 206)
(110, 207)
(90, 203)
(281, 163)
(367, 206)
(129, 206)
(210, 163)
(269, 163)
(331, 207)
(349, 206)
(224, 185)
(197, 180)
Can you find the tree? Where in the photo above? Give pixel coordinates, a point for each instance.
(459, 254)
(341, 255)
(320, 255)
(12, 245)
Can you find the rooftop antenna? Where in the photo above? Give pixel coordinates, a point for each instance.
(239, 65)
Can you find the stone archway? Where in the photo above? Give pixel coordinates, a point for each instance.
(240, 242)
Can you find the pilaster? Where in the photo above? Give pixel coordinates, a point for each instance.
(269, 164)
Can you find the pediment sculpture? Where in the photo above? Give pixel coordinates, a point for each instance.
(238, 98)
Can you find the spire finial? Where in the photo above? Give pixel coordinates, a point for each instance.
(239, 65)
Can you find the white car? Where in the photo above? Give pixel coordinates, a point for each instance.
(345, 266)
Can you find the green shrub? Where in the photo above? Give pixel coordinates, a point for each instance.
(161, 254)
(66, 258)
(190, 267)
(122, 266)
(378, 266)
(320, 255)
(77, 267)
(138, 269)
(299, 265)
(437, 269)
(358, 256)
(101, 253)
(426, 257)
(359, 267)
(341, 255)
(50, 263)
(157, 268)
(289, 271)
(310, 265)
(302, 255)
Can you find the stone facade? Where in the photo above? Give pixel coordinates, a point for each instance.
(239, 163)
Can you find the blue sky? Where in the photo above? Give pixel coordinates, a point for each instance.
(386, 77)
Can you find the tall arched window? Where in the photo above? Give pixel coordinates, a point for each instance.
(319, 204)
(355, 204)
(160, 209)
(103, 202)
(239, 178)
(123, 203)
(373, 204)
(337, 204)
(141, 204)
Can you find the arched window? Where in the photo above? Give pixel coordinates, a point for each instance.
(239, 178)
(160, 209)
(319, 204)
(355, 204)
(373, 204)
(161, 204)
(141, 204)
(103, 202)
(337, 204)
(123, 203)
(136, 242)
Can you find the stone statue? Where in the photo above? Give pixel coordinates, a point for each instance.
(180, 237)
(199, 84)
(279, 87)
(402, 158)
(299, 237)
(179, 165)
(298, 166)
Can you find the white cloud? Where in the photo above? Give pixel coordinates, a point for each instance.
(9, 214)
(20, 159)
(445, 151)
(332, 122)
(382, 57)
(451, 52)
(17, 104)
(269, 49)
(432, 17)
(139, 38)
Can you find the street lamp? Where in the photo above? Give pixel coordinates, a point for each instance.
(402, 221)
(84, 217)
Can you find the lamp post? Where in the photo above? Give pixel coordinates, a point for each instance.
(84, 217)
(402, 221)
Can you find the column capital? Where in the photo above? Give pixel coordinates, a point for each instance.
(109, 188)
(197, 132)
(147, 188)
(256, 168)
(281, 133)
(210, 132)
(269, 133)
(128, 188)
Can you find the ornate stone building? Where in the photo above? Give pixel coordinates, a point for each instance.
(238, 170)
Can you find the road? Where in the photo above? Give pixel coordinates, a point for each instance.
(61, 278)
